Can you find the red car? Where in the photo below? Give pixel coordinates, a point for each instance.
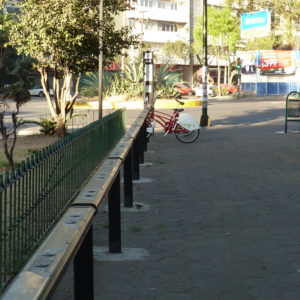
(231, 87)
(184, 89)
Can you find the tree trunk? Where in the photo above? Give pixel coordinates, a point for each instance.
(232, 75)
(62, 102)
(219, 78)
(8, 155)
(44, 82)
(61, 126)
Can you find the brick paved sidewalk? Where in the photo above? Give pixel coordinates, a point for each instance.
(223, 222)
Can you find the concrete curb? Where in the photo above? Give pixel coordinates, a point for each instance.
(136, 104)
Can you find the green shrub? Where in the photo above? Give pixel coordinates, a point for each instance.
(48, 126)
(167, 92)
(130, 82)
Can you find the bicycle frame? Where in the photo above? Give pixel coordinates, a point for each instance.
(167, 121)
(183, 126)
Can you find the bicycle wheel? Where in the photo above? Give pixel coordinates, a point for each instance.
(184, 135)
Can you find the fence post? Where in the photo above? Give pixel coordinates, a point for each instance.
(135, 163)
(128, 193)
(145, 140)
(141, 145)
(114, 216)
(84, 269)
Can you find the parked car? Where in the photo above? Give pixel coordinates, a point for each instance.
(38, 91)
(231, 88)
(184, 89)
(210, 91)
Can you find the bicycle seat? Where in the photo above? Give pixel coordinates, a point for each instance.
(179, 109)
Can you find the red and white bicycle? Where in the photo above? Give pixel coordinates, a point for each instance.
(183, 125)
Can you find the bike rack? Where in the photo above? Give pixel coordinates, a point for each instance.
(72, 237)
(292, 111)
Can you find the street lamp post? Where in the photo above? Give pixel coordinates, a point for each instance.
(204, 117)
(100, 66)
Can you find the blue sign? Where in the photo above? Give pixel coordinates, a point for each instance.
(255, 24)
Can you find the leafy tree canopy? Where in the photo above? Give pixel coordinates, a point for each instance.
(178, 49)
(2, 3)
(222, 28)
(285, 19)
(5, 22)
(64, 34)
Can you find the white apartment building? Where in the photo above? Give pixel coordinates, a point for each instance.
(160, 21)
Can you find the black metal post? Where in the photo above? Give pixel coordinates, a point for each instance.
(135, 162)
(128, 193)
(100, 63)
(140, 139)
(145, 140)
(114, 216)
(84, 269)
(204, 117)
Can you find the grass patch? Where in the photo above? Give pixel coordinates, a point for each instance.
(25, 147)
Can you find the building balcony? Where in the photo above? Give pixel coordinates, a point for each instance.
(153, 36)
(148, 13)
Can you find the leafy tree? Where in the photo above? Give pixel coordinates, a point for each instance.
(9, 111)
(63, 37)
(9, 121)
(223, 35)
(4, 31)
(2, 3)
(7, 53)
(262, 43)
(178, 49)
(22, 69)
(285, 20)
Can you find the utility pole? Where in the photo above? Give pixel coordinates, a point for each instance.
(238, 66)
(100, 66)
(204, 116)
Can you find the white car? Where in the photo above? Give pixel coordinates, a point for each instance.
(210, 91)
(38, 91)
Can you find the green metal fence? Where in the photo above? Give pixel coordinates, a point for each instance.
(35, 193)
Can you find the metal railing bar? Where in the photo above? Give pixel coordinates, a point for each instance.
(96, 189)
(39, 277)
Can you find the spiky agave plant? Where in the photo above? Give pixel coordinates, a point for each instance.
(90, 83)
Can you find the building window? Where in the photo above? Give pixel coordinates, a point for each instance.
(148, 25)
(147, 3)
(173, 6)
(161, 4)
(131, 23)
(167, 27)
